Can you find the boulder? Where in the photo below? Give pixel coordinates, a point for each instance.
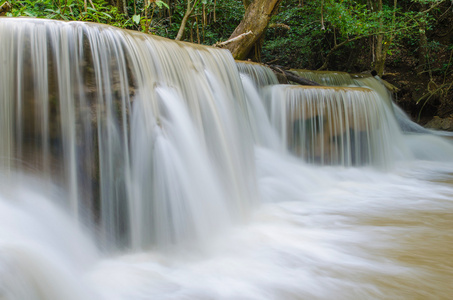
(440, 123)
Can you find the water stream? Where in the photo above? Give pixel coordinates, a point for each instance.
(134, 167)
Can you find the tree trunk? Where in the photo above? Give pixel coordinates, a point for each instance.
(247, 3)
(380, 57)
(125, 8)
(186, 17)
(256, 19)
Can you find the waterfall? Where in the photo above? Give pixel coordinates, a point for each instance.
(260, 75)
(327, 78)
(123, 120)
(134, 167)
(419, 146)
(346, 126)
(332, 78)
(255, 78)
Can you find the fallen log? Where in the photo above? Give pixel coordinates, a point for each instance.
(291, 76)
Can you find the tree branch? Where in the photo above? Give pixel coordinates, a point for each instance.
(185, 19)
(279, 25)
(237, 38)
(4, 8)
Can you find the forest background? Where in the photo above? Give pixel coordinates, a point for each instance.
(409, 43)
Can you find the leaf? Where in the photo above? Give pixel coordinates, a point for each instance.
(107, 15)
(136, 19)
(30, 14)
(162, 3)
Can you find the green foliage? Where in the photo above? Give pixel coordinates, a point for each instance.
(314, 31)
(68, 10)
(297, 45)
(161, 4)
(351, 24)
(229, 15)
(350, 18)
(210, 30)
(312, 36)
(155, 17)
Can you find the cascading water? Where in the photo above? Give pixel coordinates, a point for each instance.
(260, 75)
(165, 153)
(77, 91)
(255, 78)
(331, 78)
(327, 78)
(420, 146)
(346, 126)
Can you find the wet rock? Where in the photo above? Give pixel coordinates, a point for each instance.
(440, 123)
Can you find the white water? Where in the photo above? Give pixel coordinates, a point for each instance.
(141, 132)
(345, 126)
(43, 253)
(424, 146)
(198, 200)
(322, 233)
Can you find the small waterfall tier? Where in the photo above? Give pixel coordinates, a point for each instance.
(261, 75)
(327, 78)
(149, 137)
(335, 78)
(333, 125)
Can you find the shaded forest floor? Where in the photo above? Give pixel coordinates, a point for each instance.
(423, 93)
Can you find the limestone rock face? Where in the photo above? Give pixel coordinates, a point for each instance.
(440, 123)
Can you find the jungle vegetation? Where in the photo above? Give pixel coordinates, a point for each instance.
(389, 36)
